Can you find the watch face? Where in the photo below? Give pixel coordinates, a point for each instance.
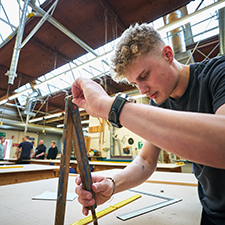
(114, 124)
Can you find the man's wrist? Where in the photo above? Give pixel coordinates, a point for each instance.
(114, 184)
(106, 107)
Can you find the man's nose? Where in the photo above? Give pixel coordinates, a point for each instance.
(143, 88)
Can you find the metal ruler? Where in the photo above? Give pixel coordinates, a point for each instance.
(150, 208)
(103, 212)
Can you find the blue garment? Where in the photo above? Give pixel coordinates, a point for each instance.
(2, 147)
(205, 94)
(26, 149)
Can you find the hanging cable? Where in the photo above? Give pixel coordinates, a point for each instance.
(106, 24)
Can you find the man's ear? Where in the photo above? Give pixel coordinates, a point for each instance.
(168, 53)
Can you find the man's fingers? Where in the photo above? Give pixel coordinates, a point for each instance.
(102, 187)
(85, 211)
(78, 180)
(83, 193)
(86, 202)
(85, 197)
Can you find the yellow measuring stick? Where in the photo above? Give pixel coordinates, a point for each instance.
(10, 167)
(103, 212)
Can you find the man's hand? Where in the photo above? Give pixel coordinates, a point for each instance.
(102, 187)
(92, 97)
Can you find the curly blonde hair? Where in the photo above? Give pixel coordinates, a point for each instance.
(135, 41)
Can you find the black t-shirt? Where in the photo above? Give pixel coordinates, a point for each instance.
(52, 153)
(205, 94)
(26, 149)
(39, 150)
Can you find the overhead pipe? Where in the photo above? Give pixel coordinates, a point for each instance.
(32, 127)
(28, 116)
(177, 33)
(16, 51)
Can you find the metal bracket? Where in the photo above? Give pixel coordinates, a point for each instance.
(169, 201)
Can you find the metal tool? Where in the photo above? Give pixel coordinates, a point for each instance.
(73, 132)
(169, 201)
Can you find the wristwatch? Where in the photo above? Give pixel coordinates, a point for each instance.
(120, 100)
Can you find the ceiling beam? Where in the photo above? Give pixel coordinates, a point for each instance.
(113, 14)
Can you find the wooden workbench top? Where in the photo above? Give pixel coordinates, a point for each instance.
(42, 212)
(105, 165)
(11, 174)
(26, 168)
(160, 165)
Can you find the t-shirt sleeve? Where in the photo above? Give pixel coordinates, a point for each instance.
(217, 86)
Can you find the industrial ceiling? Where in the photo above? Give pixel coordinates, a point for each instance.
(94, 22)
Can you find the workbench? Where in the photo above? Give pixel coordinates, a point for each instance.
(54, 162)
(104, 165)
(37, 212)
(6, 163)
(11, 174)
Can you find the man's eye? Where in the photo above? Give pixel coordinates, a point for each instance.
(145, 76)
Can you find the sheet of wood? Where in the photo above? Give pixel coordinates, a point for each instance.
(43, 212)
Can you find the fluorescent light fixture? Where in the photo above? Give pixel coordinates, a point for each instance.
(53, 115)
(85, 121)
(60, 125)
(3, 101)
(36, 119)
(193, 16)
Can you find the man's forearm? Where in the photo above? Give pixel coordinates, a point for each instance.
(134, 174)
(198, 137)
(17, 151)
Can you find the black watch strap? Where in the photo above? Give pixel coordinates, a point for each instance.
(115, 111)
(116, 108)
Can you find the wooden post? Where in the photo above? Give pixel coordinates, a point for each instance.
(72, 131)
(64, 165)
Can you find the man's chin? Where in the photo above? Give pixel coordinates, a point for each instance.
(157, 101)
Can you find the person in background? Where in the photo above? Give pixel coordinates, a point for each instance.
(53, 151)
(2, 147)
(40, 151)
(24, 150)
(33, 148)
(186, 117)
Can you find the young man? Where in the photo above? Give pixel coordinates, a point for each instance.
(40, 151)
(2, 147)
(24, 150)
(193, 129)
(53, 151)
